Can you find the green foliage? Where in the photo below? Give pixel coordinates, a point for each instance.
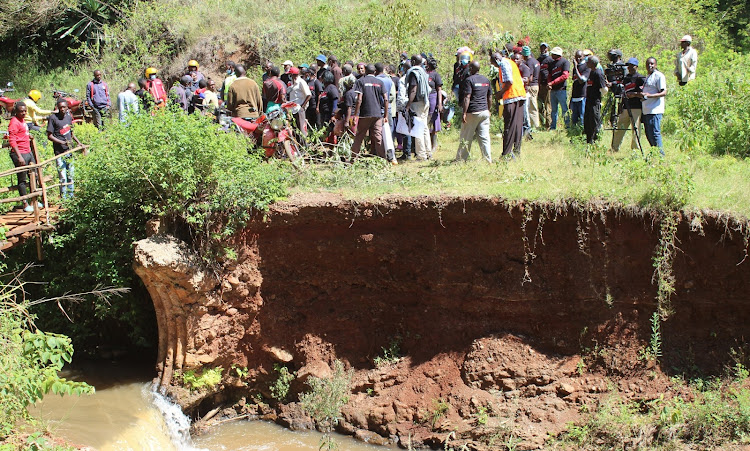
(712, 112)
(280, 387)
(438, 411)
(663, 261)
(482, 416)
(207, 378)
(29, 363)
(326, 398)
(652, 352)
(391, 354)
(669, 186)
(198, 180)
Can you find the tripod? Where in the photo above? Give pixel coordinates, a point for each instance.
(615, 103)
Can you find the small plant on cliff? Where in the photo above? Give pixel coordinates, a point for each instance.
(652, 352)
(280, 387)
(662, 262)
(325, 399)
(438, 411)
(391, 354)
(207, 378)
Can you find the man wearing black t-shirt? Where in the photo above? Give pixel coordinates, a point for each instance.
(476, 114)
(543, 100)
(581, 73)
(559, 71)
(316, 87)
(592, 117)
(60, 132)
(533, 88)
(370, 112)
(632, 85)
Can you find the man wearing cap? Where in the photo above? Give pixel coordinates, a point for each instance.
(581, 73)
(533, 88)
(299, 93)
(322, 65)
(286, 77)
(543, 100)
(461, 71)
(654, 90)
(615, 56)
(687, 61)
(632, 86)
(559, 71)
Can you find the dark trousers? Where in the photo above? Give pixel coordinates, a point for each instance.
(374, 125)
(98, 114)
(313, 118)
(544, 106)
(592, 119)
(23, 177)
(513, 129)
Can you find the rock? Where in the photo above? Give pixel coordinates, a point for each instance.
(281, 355)
(565, 389)
(508, 384)
(370, 437)
(316, 368)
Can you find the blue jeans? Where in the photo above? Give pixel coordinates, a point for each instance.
(576, 111)
(652, 126)
(559, 97)
(65, 170)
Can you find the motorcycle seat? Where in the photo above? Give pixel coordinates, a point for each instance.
(248, 126)
(73, 103)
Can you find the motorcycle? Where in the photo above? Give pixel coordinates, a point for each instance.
(6, 103)
(272, 132)
(77, 107)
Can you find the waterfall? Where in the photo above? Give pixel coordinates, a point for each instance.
(177, 423)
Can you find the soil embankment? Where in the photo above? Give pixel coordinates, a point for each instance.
(503, 318)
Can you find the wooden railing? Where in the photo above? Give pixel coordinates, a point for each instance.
(37, 189)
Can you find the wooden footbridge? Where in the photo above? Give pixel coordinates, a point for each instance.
(19, 225)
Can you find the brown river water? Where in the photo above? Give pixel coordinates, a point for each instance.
(125, 414)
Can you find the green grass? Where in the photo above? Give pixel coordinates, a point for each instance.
(551, 168)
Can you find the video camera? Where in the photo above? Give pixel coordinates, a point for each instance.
(615, 72)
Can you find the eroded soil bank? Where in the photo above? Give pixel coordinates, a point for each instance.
(506, 318)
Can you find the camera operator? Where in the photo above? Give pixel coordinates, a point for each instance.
(581, 73)
(615, 56)
(632, 86)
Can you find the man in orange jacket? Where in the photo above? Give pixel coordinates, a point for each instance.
(156, 88)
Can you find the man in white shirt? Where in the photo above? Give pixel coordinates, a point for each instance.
(299, 93)
(654, 91)
(687, 61)
(127, 102)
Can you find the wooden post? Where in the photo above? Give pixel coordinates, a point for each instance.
(32, 178)
(45, 202)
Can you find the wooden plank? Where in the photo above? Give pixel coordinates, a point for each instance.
(22, 229)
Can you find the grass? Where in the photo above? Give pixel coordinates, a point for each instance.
(551, 168)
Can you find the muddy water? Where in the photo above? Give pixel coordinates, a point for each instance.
(125, 415)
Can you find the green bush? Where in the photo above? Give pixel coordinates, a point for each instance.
(198, 179)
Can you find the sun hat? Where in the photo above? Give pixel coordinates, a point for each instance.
(556, 51)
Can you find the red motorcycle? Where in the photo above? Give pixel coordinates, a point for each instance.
(77, 107)
(6, 103)
(273, 132)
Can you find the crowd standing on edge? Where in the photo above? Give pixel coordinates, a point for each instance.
(400, 107)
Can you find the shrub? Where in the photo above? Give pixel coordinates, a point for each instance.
(207, 378)
(199, 180)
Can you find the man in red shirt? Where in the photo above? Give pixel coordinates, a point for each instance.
(20, 148)
(156, 88)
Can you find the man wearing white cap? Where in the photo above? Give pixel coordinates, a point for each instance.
(687, 61)
(286, 77)
(559, 71)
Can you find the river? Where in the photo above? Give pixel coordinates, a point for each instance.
(125, 414)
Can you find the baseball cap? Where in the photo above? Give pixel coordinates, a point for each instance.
(633, 62)
(686, 38)
(544, 44)
(293, 71)
(526, 50)
(304, 66)
(321, 57)
(556, 51)
(287, 63)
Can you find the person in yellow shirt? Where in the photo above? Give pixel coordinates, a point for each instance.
(35, 116)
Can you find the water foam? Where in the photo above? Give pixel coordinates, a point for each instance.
(176, 423)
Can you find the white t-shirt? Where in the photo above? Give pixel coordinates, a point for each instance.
(655, 83)
(298, 92)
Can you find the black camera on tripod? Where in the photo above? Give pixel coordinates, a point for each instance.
(615, 72)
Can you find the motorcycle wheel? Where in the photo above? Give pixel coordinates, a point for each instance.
(292, 150)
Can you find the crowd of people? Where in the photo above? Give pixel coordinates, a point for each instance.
(400, 107)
